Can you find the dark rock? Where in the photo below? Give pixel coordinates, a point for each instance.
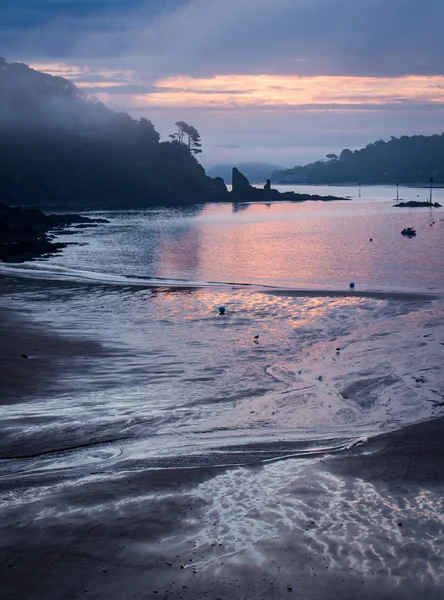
(243, 192)
(24, 233)
(218, 185)
(416, 203)
(240, 183)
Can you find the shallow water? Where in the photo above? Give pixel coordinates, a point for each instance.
(179, 384)
(262, 381)
(281, 244)
(181, 453)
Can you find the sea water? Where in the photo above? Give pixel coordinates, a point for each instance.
(174, 434)
(184, 385)
(310, 244)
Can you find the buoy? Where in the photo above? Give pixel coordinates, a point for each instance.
(371, 240)
(221, 310)
(352, 285)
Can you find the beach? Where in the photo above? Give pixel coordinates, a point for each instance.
(204, 488)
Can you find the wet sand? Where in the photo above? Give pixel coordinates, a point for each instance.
(31, 358)
(367, 522)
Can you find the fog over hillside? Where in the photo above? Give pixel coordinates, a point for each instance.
(30, 98)
(60, 148)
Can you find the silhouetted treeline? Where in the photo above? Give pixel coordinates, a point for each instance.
(59, 148)
(401, 160)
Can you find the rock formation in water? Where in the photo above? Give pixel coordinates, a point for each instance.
(242, 191)
(25, 233)
(416, 204)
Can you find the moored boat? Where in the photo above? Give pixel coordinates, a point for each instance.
(409, 231)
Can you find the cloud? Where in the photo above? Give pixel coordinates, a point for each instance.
(285, 90)
(201, 38)
(340, 72)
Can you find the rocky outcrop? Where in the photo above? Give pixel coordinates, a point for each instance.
(218, 185)
(242, 191)
(25, 233)
(416, 204)
(239, 183)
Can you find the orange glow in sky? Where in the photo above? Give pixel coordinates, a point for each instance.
(237, 91)
(280, 90)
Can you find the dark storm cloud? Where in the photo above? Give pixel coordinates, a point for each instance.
(71, 28)
(205, 37)
(22, 14)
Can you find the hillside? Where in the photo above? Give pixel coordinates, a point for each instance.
(61, 149)
(401, 160)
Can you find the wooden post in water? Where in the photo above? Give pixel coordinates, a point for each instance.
(431, 187)
(359, 186)
(397, 193)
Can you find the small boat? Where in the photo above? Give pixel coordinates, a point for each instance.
(408, 231)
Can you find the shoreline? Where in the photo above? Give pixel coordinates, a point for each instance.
(366, 521)
(44, 278)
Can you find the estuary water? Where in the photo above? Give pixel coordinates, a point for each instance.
(186, 384)
(310, 244)
(150, 443)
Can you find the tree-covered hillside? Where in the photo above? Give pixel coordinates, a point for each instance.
(413, 159)
(62, 149)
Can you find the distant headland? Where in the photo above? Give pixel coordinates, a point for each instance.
(407, 160)
(60, 150)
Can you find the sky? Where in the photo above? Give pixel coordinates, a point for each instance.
(279, 81)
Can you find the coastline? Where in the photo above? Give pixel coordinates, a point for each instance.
(268, 531)
(45, 278)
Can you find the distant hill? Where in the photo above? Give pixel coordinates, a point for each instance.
(61, 149)
(401, 160)
(256, 172)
